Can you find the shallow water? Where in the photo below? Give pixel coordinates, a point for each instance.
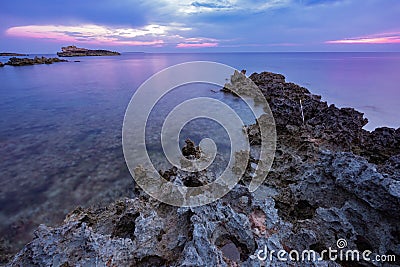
(60, 124)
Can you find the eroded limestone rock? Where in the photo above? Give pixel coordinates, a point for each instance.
(326, 183)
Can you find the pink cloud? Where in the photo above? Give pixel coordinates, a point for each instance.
(30, 32)
(196, 45)
(149, 35)
(89, 34)
(380, 38)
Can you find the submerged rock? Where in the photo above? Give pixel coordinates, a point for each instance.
(330, 180)
(190, 150)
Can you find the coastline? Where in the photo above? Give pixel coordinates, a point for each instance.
(329, 176)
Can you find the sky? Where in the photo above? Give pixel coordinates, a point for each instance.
(43, 26)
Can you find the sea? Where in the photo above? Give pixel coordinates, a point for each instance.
(61, 124)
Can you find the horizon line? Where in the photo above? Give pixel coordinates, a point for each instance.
(213, 52)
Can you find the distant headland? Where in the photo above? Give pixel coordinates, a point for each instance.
(73, 51)
(7, 54)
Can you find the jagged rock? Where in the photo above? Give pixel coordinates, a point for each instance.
(336, 128)
(144, 231)
(323, 185)
(1, 64)
(326, 126)
(381, 144)
(392, 167)
(358, 177)
(343, 195)
(129, 232)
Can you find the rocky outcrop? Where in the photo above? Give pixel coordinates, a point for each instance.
(73, 51)
(336, 129)
(326, 183)
(14, 61)
(1, 64)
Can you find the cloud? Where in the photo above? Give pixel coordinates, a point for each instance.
(196, 45)
(189, 7)
(319, 2)
(148, 35)
(241, 7)
(228, 25)
(213, 5)
(380, 38)
(198, 42)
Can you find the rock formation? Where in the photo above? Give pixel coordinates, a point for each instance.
(330, 179)
(73, 51)
(14, 61)
(190, 150)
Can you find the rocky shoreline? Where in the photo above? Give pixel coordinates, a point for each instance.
(330, 179)
(73, 51)
(14, 61)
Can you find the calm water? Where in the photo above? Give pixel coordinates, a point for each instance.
(60, 124)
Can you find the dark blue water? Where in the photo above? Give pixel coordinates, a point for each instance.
(60, 124)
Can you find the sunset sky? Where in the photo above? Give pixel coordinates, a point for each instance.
(44, 26)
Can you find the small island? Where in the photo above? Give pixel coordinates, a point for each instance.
(8, 54)
(73, 51)
(14, 61)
